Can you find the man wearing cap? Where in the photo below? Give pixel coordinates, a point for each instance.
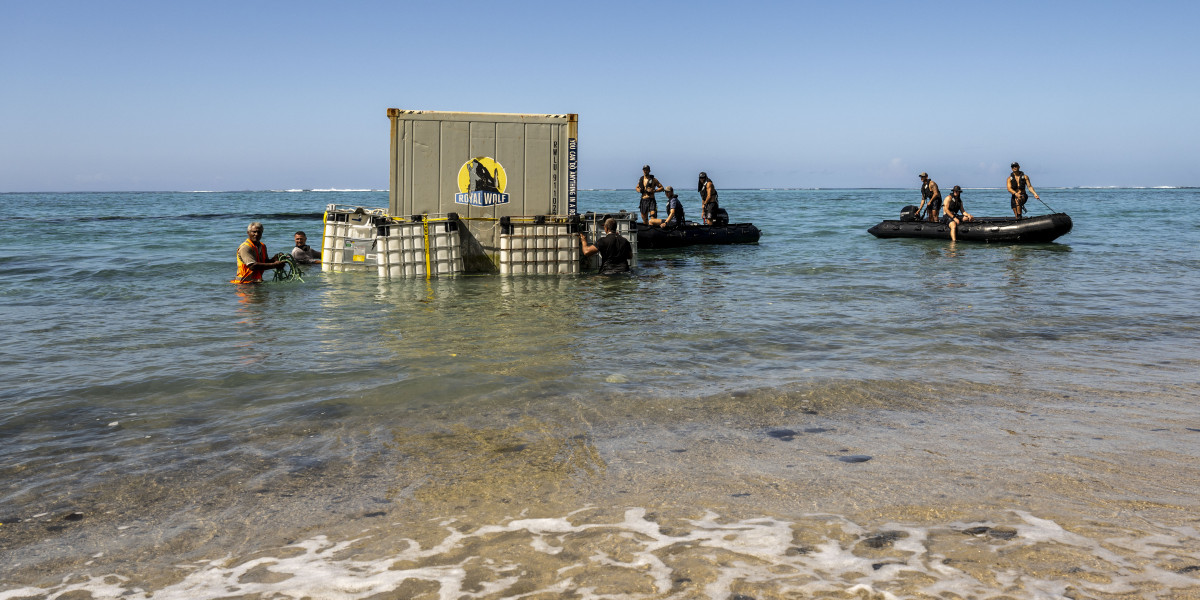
(647, 186)
(1017, 182)
(674, 210)
(931, 194)
(954, 213)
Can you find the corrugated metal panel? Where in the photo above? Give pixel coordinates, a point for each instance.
(430, 148)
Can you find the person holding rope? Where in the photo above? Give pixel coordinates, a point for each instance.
(931, 195)
(1017, 182)
(252, 256)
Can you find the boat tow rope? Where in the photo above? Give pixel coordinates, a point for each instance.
(1046, 205)
(290, 271)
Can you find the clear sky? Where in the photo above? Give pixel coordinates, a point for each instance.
(246, 95)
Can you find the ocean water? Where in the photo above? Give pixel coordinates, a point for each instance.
(822, 414)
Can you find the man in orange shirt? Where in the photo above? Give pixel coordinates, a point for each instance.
(252, 256)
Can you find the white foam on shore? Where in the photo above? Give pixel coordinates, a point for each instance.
(893, 561)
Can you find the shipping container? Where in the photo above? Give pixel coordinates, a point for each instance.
(483, 167)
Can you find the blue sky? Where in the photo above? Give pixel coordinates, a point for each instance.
(221, 95)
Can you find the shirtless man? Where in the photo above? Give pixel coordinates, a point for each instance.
(647, 186)
(708, 198)
(1017, 182)
(931, 194)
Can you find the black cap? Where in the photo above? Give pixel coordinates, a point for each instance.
(1015, 165)
(956, 189)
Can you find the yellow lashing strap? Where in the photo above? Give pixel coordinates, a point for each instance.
(425, 231)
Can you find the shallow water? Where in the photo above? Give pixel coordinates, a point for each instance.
(822, 413)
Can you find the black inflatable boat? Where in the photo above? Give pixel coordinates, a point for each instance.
(1005, 230)
(692, 234)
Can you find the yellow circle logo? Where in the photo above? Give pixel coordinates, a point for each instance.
(482, 174)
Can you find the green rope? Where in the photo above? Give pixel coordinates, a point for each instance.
(290, 271)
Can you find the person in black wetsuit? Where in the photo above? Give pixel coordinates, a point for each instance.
(954, 213)
(1017, 184)
(708, 198)
(615, 251)
(647, 186)
(674, 210)
(930, 194)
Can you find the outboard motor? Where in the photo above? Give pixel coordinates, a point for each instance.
(720, 217)
(908, 213)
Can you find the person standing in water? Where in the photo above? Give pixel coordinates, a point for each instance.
(1017, 184)
(615, 251)
(931, 194)
(252, 256)
(647, 186)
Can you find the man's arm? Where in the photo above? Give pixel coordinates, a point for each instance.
(252, 263)
(585, 247)
(1029, 184)
(1011, 185)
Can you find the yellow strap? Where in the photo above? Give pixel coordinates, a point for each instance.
(425, 231)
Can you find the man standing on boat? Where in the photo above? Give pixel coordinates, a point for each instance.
(252, 256)
(931, 194)
(1017, 182)
(708, 198)
(955, 214)
(647, 186)
(615, 251)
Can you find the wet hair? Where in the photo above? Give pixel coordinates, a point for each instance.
(301, 233)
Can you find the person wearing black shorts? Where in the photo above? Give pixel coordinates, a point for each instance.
(930, 194)
(1017, 184)
(647, 186)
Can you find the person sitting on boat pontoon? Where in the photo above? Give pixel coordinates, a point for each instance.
(954, 214)
(674, 210)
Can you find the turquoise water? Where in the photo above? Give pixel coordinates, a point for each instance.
(689, 431)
